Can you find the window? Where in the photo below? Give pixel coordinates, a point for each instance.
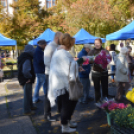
(48, 3)
(3, 2)
(54, 3)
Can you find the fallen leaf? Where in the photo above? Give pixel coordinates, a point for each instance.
(56, 128)
(43, 120)
(75, 133)
(104, 125)
(85, 115)
(14, 121)
(90, 128)
(87, 112)
(39, 124)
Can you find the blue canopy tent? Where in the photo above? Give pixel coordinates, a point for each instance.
(47, 35)
(83, 37)
(125, 33)
(6, 41)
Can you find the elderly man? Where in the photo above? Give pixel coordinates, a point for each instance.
(84, 75)
(48, 53)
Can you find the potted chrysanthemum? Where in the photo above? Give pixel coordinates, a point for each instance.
(111, 106)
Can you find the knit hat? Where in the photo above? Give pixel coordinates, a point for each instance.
(123, 50)
(88, 46)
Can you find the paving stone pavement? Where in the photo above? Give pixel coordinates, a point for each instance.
(8, 123)
(90, 119)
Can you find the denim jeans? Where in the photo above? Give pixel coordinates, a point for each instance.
(113, 70)
(27, 102)
(86, 86)
(40, 82)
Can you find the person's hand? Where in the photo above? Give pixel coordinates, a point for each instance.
(28, 81)
(76, 59)
(84, 58)
(81, 69)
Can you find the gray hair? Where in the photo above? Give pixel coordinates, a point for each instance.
(88, 46)
(58, 34)
(129, 47)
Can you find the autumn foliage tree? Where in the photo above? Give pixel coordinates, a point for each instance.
(98, 17)
(26, 22)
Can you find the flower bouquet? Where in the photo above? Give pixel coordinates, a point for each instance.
(110, 107)
(103, 59)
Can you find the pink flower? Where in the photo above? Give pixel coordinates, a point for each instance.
(86, 62)
(104, 105)
(103, 59)
(122, 106)
(112, 106)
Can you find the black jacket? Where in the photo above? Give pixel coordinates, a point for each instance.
(21, 60)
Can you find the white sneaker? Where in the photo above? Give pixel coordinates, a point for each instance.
(72, 124)
(67, 129)
(98, 104)
(105, 99)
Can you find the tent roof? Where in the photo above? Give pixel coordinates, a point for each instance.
(123, 34)
(47, 35)
(83, 37)
(4, 41)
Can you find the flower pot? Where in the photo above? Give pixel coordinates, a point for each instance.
(108, 119)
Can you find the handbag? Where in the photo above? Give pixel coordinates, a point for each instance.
(97, 68)
(75, 87)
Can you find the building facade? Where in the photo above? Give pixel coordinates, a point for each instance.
(43, 3)
(6, 4)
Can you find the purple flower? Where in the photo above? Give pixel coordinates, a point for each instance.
(103, 58)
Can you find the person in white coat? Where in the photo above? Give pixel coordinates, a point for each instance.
(48, 54)
(122, 73)
(59, 81)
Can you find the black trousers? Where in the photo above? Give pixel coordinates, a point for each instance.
(47, 107)
(100, 80)
(67, 108)
(27, 102)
